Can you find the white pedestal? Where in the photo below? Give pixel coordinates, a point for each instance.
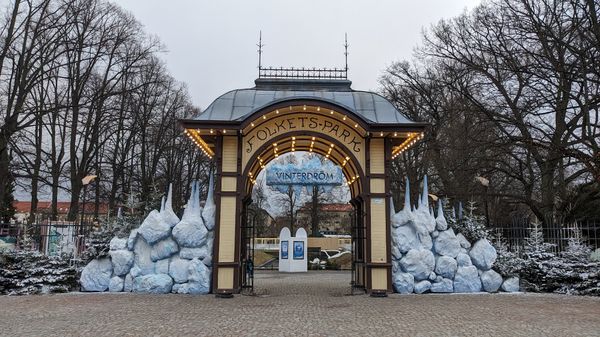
(293, 251)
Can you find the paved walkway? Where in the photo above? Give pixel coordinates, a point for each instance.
(313, 304)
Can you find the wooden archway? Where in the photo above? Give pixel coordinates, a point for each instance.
(242, 148)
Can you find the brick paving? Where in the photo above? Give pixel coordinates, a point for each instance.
(313, 304)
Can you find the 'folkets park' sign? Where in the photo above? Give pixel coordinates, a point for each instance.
(303, 122)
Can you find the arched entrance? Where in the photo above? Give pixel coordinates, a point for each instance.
(245, 129)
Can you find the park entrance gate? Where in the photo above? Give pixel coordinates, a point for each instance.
(313, 111)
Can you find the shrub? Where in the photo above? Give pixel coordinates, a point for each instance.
(30, 272)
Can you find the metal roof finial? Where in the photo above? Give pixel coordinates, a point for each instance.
(346, 50)
(259, 45)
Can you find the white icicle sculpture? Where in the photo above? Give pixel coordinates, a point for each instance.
(163, 255)
(427, 256)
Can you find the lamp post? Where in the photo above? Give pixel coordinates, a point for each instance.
(485, 183)
(85, 182)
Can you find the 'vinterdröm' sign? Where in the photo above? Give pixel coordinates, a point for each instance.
(312, 172)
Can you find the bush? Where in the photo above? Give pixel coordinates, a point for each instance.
(29, 272)
(540, 270)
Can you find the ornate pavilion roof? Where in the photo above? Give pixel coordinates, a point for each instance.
(237, 105)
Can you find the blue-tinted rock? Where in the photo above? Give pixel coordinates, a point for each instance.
(96, 275)
(440, 222)
(423, 220)
(432, 276)
(445, 266)
(396, 266)
(396, 255)
(467, 280)
(207, 261)
(128, 283)
(116, 284)
(178, 269)
(425, 240)
(190, 253)
(447, 244)
(483, 254)
(419, 263)
(199, 277)
(122, 261)
(208, 212)
(154, 229)
(464, 243)
(405, 238)
(404, 283)
(169, 217)
(402, 218)
(162, 266)
(135, 271)
(511, 284)
(117, 244)
(153, 284)
(491, 281)
(463, 260)
(132, 238)
(443, 286)
(163, 249)
(422, 287)
(142, 257)
(190, 232)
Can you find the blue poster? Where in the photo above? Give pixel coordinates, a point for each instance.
(284, 249)
(298, 250)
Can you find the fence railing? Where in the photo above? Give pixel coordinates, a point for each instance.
(303, 73)
(47, 236)
(558, 235)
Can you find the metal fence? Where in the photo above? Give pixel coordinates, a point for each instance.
(557, 234)
(47, 236)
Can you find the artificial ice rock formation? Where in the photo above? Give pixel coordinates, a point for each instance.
(163, 255)
(428, 256)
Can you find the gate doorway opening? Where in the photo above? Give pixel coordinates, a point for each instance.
(329, 215)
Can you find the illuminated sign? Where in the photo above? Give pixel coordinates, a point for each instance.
(303, 122)
(313, 172)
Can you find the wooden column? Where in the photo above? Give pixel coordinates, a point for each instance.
(226, 263)
(378, 216)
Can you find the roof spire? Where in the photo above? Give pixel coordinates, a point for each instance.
(346, 51)
(259, 45)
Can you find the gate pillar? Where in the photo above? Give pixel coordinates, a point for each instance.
(226, 250)
(379, 268)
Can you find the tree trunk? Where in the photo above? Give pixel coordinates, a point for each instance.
(315, 211)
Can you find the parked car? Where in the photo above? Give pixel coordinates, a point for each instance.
(332, 254)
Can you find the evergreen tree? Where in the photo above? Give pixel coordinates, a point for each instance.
(471, 225)
(577, 250)
(535, 246)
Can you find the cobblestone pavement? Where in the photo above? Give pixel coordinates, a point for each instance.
(312, 304)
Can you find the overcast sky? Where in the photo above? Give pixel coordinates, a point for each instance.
(211, 45)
